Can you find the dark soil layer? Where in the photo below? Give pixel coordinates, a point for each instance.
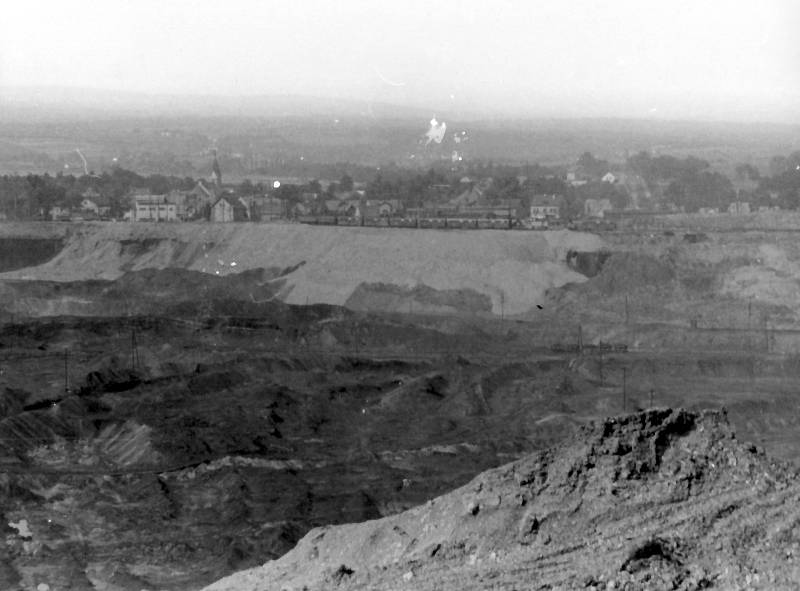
(18, 253)
(420, 299)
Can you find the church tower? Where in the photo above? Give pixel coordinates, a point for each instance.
(216, 174)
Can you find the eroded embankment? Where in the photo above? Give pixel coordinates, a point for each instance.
(512, 269)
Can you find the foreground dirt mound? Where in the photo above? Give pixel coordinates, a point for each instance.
(663, 499)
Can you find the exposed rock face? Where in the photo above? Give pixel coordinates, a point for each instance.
(663, 499)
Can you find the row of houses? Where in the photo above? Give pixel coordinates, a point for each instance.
(206, 203)
(92, 206)
(228, 207)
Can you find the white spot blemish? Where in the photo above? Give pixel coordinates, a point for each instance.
(276, 185)
(436, 131)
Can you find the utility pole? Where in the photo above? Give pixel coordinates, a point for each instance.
(502, 306)
(134, 350)
(66, 371)
(624, 388)
(602, 376)
(627, 315)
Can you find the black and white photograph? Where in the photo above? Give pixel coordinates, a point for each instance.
(405, 295)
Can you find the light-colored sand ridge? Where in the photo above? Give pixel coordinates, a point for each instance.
(514, 268)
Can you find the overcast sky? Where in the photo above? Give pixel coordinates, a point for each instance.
(666, 59)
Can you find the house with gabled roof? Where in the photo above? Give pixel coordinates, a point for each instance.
(228, 209)
(596, 208)
(374, 208)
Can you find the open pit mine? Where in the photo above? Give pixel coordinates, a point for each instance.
(278, 406)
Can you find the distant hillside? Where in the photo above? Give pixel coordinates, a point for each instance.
(47, 103)
(42, 127)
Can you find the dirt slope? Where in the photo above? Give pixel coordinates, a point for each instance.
(657, 500)
(512, 268)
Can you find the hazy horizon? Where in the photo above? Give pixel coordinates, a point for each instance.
(706, 61)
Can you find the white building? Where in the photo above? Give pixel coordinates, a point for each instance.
(596, 208)
(609, 178)
(739, 207)
(546, 207)
(154, 208)
(544, 211)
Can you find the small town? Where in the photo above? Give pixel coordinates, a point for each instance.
(590, 194)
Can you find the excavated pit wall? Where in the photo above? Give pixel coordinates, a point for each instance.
(20, 252)
(512, 269)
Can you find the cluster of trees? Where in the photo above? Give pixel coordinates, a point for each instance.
(27, 196)
(665, 168)
(294, 193)
(690, 184)
(508, 183)
(591, 166)
(410, 187)
(690, 192)
(783, 187)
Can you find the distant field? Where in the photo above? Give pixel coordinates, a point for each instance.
(170, 144)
